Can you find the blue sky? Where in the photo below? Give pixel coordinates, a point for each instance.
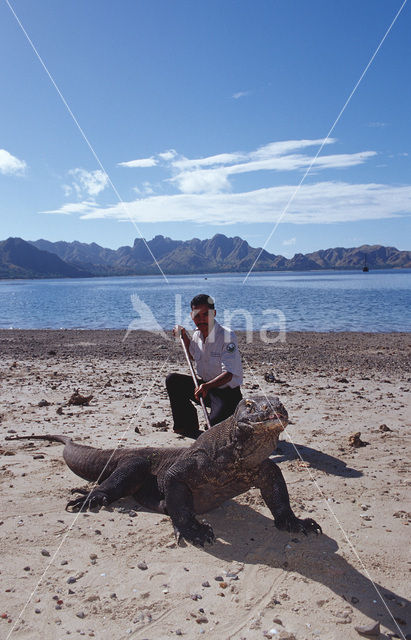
(206, 116)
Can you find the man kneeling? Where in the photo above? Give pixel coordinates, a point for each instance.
(214, 349)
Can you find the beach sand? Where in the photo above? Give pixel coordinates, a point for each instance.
(78, 575)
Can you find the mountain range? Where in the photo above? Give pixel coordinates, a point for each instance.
(44, 259)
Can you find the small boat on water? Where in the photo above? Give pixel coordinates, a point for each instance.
(365, 267)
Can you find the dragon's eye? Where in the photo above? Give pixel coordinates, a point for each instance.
(250, 405)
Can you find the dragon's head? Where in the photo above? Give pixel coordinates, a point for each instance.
(259, 422)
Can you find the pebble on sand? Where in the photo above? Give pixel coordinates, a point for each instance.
(370, 630)
(355, 440)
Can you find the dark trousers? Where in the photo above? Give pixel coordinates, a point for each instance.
(180, 388)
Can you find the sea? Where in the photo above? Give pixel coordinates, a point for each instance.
(377, 301)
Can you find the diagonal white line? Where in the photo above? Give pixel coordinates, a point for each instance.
(90, 146)
(320, 491)
(284, 211)
(52, 559)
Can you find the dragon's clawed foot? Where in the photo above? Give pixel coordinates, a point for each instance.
(82, 490)
(289, 522)
(89, 500)
(308, 525)
(198, 533)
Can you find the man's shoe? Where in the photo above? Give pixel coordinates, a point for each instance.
(192, 434)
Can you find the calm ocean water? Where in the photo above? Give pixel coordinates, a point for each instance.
(304, 301)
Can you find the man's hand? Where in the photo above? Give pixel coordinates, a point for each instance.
(201, 391)
(178, 330)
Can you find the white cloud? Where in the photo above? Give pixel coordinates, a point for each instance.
(139, 163)
(168, 155)
(70, 208)
(240, 94)
(285, 146)
(202, 181)
(297, 162)
(323, 202)
(86, 183)
(265, 152)
(206, 195)
(221, 158)
(216, 179)
(211, 173)
(148, 188)
(10, 165)
(290, 242)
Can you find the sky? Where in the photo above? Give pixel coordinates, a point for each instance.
(187, 119)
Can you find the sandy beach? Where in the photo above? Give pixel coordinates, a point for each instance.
(118, 573)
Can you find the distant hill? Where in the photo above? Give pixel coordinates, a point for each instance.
(174, 256)
(378, 257)
(44, 259)
(20, 259)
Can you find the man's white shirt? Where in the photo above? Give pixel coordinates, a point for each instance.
(217, 354)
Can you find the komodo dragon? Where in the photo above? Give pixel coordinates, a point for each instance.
(222, 463)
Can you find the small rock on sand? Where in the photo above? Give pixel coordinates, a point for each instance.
(370, 630)
(355, 440)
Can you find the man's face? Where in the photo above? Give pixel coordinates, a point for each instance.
(203, 318)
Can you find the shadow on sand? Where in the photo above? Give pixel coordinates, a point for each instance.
(313, 557)
(317, 459)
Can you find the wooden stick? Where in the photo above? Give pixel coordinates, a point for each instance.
(193, 375)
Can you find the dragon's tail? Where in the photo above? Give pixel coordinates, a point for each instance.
(51, 438)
